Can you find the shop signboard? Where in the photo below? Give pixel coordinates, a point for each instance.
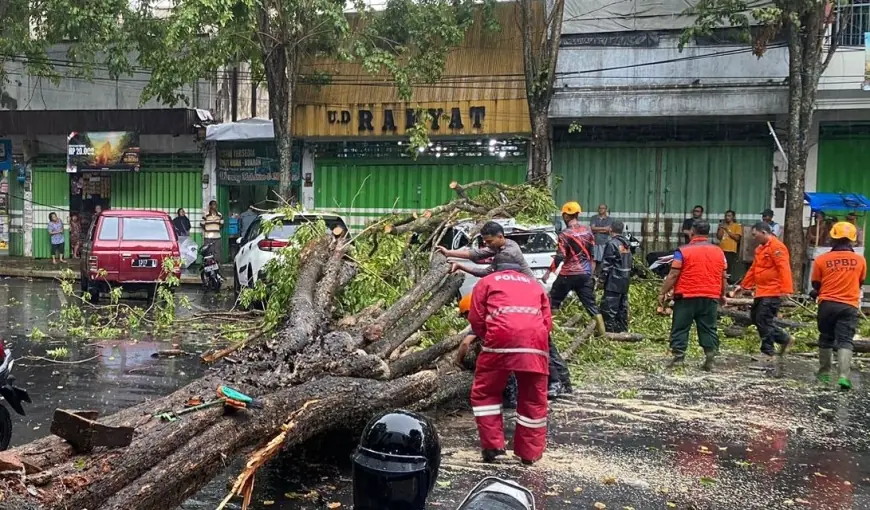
(251, 163)
(102, 151)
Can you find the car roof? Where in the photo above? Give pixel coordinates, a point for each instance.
(272, 216)
(134, 213)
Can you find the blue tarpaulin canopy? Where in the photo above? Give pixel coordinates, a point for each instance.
(837, 202)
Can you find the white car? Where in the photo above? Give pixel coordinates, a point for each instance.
(256, 248)
(538, 244)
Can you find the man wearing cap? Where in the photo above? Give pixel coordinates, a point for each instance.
(775, 228)
(837, 278)
(601, 228)
(698, 279)
(770, 276)
(574, 253)
(510, 313)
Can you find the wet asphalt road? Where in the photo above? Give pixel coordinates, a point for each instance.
(735, 439)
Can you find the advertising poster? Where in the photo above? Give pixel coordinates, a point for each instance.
(5, 155)
(102, 151)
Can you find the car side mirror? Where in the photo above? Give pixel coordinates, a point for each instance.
(239, 241)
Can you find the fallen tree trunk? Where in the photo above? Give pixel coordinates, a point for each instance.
(861, 345)
(744, 317)
(314, 374)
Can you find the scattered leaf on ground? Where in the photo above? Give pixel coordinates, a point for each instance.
(443, 484)
(333, 505)
(706, 480)
(268, 503)
(600, 506)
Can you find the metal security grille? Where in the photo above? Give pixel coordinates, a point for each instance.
(854, 20)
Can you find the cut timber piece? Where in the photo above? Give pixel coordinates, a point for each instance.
(83, 433)
(861, 345)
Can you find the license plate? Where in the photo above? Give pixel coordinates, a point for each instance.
(211, 269)
(539, 273)
(144, 263)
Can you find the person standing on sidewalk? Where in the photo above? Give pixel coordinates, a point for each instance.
(698, 279)
(56, 237)
(601, 229)
(212, 223)
(729, 234)
(837, 278)
(615, 279)
(770, 276)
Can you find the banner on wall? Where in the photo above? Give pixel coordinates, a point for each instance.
(102, 151)
(866, 84)
(254, 163)
(5, 155)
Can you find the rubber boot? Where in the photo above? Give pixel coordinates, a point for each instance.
(554, 390)
(844, 360)
(600, 330)
(677, 360)
(709, 359)
(489, 455)
(825, 359)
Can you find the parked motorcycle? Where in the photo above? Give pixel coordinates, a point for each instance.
(210, 273)
(13, 395)
(494, 493)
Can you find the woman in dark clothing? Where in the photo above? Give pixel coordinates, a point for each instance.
(181, 224)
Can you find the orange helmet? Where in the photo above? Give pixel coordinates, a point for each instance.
(844, 230)
(465, 304)
(571, 208)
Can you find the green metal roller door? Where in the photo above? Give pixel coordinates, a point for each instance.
(654, 188)
(842, 167)
(361, 191)
(166, 182)
(50, 184)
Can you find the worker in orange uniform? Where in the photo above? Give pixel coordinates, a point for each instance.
(770, 276)
(510, 312)
(510, 391)
(837, 278)
(698, 279)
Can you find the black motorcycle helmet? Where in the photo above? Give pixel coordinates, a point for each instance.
(396, 463)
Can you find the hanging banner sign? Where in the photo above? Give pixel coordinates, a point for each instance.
(102, 151)
(866, 84)
(253, 163)
(5, 155)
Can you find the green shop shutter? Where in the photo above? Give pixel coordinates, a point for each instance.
(653, 188)
(362, 192)
(842, 167)
(16, 215)
(50, 185)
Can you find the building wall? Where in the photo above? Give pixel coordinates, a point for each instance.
(662, 81)
(24, 92)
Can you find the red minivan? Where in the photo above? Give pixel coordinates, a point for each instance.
(130, 246)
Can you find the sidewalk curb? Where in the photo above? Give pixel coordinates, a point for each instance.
(50, 274)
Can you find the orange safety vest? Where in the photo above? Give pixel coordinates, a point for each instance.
(702, 269)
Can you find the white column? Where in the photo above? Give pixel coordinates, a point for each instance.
(307, 178)
(27, 229)
(209, 173)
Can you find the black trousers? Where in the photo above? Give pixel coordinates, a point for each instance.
(763, 313)
(614, 309)
(582, 284)
(837, 325)
(558, 368)
(733, 261)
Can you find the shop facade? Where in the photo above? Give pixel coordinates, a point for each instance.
(45, 183)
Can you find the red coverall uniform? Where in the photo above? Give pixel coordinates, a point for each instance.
(510, 312)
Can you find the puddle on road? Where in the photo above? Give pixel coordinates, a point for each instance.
(124, 375)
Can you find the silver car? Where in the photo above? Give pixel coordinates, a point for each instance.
(537, 242)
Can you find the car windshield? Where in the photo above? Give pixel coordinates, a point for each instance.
(288, 228)
(530, 242)
(145, 229)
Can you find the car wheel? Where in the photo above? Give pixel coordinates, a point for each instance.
(251, 276)
(150, 293)
(84, 283)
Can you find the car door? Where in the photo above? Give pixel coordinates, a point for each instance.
(243, 258)
(145, 243)
(104, 254)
